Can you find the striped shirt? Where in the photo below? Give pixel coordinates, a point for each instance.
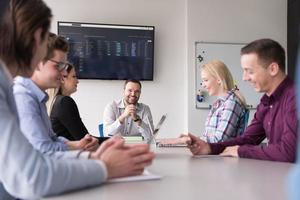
(225, 119)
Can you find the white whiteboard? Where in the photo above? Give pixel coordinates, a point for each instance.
(229, 53)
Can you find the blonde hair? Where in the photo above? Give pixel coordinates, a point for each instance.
(220, 71)
(52, 93)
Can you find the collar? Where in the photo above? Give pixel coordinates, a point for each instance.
(121, 104)
(34, 89)
(224, 98)
(266, 100)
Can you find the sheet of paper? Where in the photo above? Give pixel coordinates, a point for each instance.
(145, 176)
(209, 156)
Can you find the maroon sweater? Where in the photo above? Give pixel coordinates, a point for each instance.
(276, 120)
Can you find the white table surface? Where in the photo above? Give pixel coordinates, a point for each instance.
(187, 177)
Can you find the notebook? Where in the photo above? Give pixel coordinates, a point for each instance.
(172, 142)
(133, 139)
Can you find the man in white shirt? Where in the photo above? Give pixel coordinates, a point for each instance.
(127, 116)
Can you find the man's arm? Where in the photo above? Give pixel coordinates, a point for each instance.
(34, 127)
(111, 123)
(253, 135)
(27, 174)
(285, 149)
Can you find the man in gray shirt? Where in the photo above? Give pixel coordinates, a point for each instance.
(127, 116)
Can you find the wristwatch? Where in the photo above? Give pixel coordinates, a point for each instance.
(137, 119)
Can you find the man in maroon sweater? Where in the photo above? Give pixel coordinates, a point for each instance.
(263, 63)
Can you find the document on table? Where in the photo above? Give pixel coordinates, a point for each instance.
(210, 156)
(145, 176)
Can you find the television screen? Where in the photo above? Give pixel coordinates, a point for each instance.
(108, 51)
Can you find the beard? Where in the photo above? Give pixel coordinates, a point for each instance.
(131, 100)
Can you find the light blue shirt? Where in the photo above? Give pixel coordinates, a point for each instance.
(25, 172)
(34, 120)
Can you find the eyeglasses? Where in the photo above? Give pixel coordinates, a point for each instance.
(60, 65)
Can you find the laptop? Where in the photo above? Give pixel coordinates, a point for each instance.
(159, 124)
(172, 142)
(154, 132)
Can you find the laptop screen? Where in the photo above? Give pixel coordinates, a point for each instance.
(158, 126)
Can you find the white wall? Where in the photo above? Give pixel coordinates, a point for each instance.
(179, 23)
(166, 93)
(236, 21)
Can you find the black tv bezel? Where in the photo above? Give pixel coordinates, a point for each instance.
(93, 23)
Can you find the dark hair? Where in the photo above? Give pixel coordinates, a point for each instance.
(20, 21)
(56, 42)
(268, 51)
(69, 67)
(3, 7)
(133, 81)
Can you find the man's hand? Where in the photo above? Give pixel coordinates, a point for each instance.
(231, 151)
(198, 146)
(130, 110)
(124, 160)
(88, 143)
(105, 145)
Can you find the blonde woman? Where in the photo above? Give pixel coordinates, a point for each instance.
(226, 118)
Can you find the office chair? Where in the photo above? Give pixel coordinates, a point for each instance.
(101, 131)
(245, 119)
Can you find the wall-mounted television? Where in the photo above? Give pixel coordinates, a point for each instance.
(110, 51)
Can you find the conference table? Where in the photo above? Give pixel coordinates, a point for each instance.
(205, 178)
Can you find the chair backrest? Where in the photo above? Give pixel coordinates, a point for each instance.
(246, 118)
(101, 131)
